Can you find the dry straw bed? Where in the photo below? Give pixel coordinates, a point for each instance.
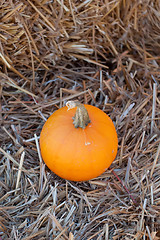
(105, 53)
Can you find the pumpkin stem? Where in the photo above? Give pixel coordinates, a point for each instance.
(81, 118)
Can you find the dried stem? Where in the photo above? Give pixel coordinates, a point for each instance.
(81, 118)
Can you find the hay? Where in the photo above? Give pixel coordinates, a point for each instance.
(104, 53)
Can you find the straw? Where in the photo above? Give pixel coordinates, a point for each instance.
(103, 53)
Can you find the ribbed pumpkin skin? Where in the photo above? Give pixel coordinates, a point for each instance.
(74, 153)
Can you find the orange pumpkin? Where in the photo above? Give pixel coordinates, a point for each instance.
(78, 143)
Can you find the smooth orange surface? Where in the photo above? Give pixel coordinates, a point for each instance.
(78, 154)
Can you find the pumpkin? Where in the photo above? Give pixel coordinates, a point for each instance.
(78, 142)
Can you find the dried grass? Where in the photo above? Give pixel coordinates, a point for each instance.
(104, 53)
